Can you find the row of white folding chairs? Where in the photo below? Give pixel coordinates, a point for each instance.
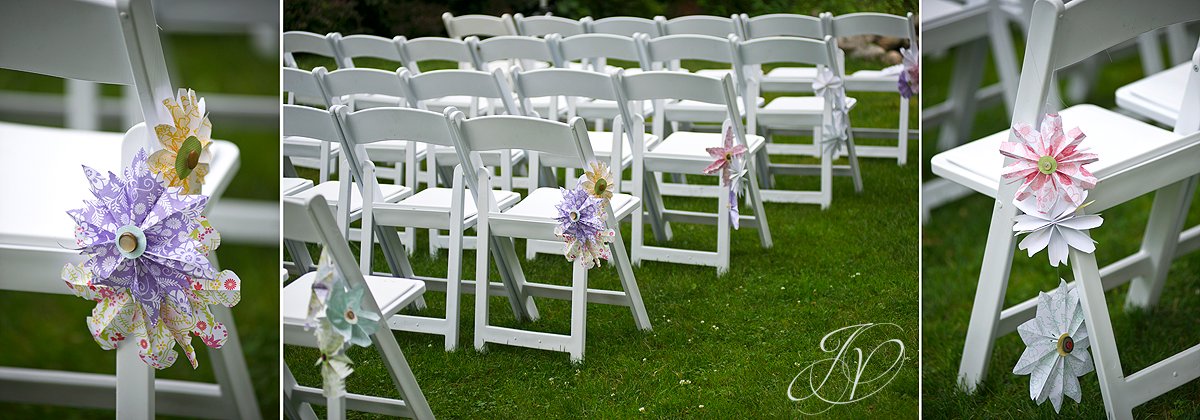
(650, 53)
(1161, 161)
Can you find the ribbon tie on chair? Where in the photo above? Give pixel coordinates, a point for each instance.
(835, 125)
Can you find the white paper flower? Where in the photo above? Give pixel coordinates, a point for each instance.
(1056, 230)
(1056, 352)
(834, 129)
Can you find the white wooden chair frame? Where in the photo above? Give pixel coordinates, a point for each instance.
(121, 46)
(541, 26)
(551, 139)
(324, 46)
(664, 85)
(822, 54)
(1057, 40)
(460, 27)
(309, 220)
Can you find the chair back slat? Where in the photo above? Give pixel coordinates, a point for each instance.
(783, 49)
(624, 26)
(596, 46)
(304, 85)
(303, 121)
(715, 26)
(511, 47)
(478, 25)
(310, 43)
(371, 46)
(686, 47)
(443, 83)
(434, 48)
(872, 24)
(1087, 27)
(783, 24)
(564, 82)
(394, 123)
(499, 132)
(652, 85)
(546, 25)
(360, 81)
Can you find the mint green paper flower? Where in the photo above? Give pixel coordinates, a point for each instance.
(345, 314)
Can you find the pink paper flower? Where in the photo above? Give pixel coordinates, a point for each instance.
(725, 156)
(1049, 162)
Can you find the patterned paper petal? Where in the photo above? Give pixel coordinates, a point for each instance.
(224, 289)
(208, 237)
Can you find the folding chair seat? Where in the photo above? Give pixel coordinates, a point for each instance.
(1159, 162)
(289, 186)
(561, 145)
(309, 220)
(1158, 96)
(681, 155)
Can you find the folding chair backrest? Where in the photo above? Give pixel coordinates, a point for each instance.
(784, 49)
(546, 25)
(1062, 35)
(460, 27)
(871, 24)
(369, 46)
(686, 47)
(564, 82)
(113, 42)
(414, 51)
(393, 123)
(304, 86)
(566, 145)
(443, 83)
(782, 24)
(653, 85)
(307, 122)
(310, 43)
(717, 26)
(510, 47)
(624, 26)
(344, 82)
(310, 220)
(596, 46)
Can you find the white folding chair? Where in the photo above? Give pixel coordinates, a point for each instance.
(1160, 161)
(301, 42)
(302, 85)
(309, 220)
(561, 145)
(1158, 96)
(370, 47)
(113, 43)
(684, 152)
(309, 43)
(432, 208)
(796, 113)
(880, 24)
(415, 51)
(547, 24)
(460, 27)
(785, 79)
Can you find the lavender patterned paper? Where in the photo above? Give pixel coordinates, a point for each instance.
(581, 224)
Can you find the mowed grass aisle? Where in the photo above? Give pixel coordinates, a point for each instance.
(721, 347)
(953, 245)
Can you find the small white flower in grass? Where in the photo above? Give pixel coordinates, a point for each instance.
(1056, 352)
(1056, 230)
(642, 409)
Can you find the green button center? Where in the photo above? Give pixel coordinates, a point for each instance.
(1047, 165)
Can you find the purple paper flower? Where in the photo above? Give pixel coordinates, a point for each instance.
(581, 224)
(137, 236)
(910, 75)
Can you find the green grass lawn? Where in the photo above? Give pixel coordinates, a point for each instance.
(721, 347)
(952, 245)
(48, 331)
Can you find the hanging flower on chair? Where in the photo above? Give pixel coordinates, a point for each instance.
(735, 189)
(1049, 163)
(335, 364)
(347, 316)
(581, 224)
(1055, 231)
(147, 267)
(1056, 347)
(834, 128)
(599, 181)
(728, 162)
(184, 158)
(340, 321)
(910, 73)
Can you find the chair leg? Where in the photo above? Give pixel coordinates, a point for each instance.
(901, 137)
(855, 173)
(292, 408)
(760, 211)
(578, 312)
(401, 373)
(300, 255)
(135, 385)
(1102, 341)
(454, 286)
(658, 221)
(523, 304)
(826, 177)
(963, 85)
(989, 295)
(629, 282)
(1170, 209)
(483, 244)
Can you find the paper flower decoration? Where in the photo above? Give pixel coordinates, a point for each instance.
(184, 158)
(910, 74)
(334, 363)
(1049, 163)
(1056, 348)
(1055, 230)
(724, 155)
(326, 277)
(735, 188)
(581, 224)
(834, 128)
(147, 266)
(346, 315)
(598, 182)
